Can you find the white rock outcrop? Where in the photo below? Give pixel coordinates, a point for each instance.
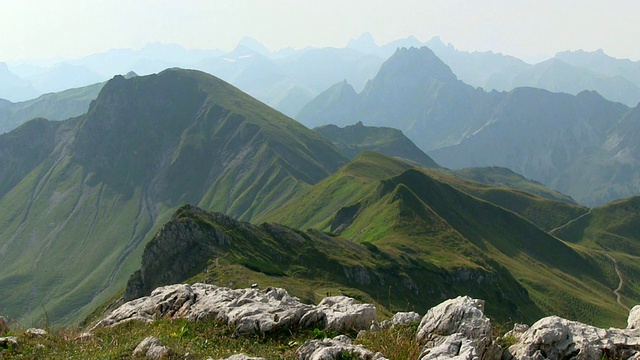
(455, 329)
(34, 332)
(151, 348)
(329, 349)
(9, 341)
(557, 338)
(633, 322)
(251, 311)
(241, 357)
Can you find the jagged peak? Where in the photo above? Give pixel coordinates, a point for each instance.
(417, 63)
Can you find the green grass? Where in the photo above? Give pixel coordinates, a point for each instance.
(200, 339)
(76, 216)
(444, 225)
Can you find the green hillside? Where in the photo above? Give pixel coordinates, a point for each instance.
(433, 217)
(91, 191)
(354, 139)
(54, 106)
(612, 229)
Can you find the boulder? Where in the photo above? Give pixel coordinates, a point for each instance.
(9, 341)
(241, 357)
(329, 349)
(405, 318)
(457, 326)
(4, 327)
(343, 314)
(633, 322)
(454, 347)
(251, 311)
(33, 332)
(152, 349)
(556, 338)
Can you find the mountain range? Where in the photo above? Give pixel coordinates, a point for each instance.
(569, 143)
(80, 197)
(384, 230)
(84, 200)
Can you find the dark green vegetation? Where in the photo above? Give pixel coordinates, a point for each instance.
(354, 139)
(570, 143)
(54, 106)
(79, 201)
(403, 237)
(439, 225)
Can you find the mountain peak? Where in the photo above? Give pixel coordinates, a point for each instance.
(364, 44)
(418, 63)
(254, 45)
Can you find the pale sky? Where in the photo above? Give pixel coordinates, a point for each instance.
(34, 29)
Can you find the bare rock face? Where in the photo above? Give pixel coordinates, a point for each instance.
(633, 322)
(251, 311)
(151, 348)
(329, 349)
(457, 327)
(556, 338)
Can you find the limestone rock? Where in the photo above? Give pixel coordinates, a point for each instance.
(242, 357)
(33, 332)
(405, 318)
(634, 318)
(454, 347)
(251, 311)
(556, 338)
(152, 349)
(4, 327)
(342, 313)
(9, 341)
(517, 331)
(457, 324)
(329, 349)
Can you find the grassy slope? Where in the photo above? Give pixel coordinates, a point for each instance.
(612, 229)
(419, 210)
(354, 139)
(73, 226)
(55, 106)
(504, 177)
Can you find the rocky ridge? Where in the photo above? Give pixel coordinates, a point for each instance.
(455, 329)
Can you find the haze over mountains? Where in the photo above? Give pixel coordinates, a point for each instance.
(288, 79)
(569, 143)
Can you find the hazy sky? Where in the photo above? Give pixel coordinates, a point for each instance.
(523, 28)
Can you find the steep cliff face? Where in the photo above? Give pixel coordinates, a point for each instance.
(180, 249)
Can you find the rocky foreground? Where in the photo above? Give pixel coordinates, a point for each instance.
(455, 329)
